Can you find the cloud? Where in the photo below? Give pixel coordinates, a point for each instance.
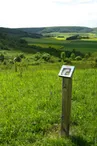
(71, 2)
(62, 2)
(38, 13)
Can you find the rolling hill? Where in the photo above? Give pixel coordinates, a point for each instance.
(61, 29)
(18, 33)
(18, 38)
(38, 31)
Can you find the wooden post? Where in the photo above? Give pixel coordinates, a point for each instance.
(66, 105)
(66, 73)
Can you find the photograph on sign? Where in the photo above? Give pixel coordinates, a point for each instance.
(66, 71)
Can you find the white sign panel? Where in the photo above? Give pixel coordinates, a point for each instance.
(66, 71)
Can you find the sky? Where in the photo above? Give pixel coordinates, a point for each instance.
(45, 13)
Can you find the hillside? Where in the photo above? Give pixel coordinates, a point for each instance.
(18, 33)
(61, 29)
(12, 38)
(95, 30)
(32, 30)
(12, 32)
(25, 39)
(37, 32)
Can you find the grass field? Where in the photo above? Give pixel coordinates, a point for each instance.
(30, 107)
(56, 34)
(80, 45)
(30, 99)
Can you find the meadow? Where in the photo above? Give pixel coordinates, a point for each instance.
(31, 92)
(83, 45)
(30, 107)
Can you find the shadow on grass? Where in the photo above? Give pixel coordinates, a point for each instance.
(79, 141)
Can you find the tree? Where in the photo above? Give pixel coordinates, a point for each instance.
(86, 55)
(23, 43)
(72, 56)
(95, 64)
(63, 56)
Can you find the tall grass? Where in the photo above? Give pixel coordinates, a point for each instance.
(30, 107)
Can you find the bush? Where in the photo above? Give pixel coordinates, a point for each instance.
(63, 56)
(1, 57)
(37, 56)
(11, 61)
(68, 61)
(95, 63)
(4, 63)
(17, 59)
(78, 58)
(86, 55)
(54, 59)
(35, 62)
(46, 56)
(72, 56)
(21, 56)
(96, 60)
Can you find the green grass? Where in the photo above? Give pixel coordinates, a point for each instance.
(56, 34)
(30, 107)
(80, 45)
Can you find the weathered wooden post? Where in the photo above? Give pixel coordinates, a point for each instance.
(66, 73)
(15, 64)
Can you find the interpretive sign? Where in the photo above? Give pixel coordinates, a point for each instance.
(66, 73)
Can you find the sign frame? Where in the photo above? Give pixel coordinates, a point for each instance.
(66, 71)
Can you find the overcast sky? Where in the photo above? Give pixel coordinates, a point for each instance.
(40, 13)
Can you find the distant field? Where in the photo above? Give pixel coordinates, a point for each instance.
(56, 34)
(80, 45)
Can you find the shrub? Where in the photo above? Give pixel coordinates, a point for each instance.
(54, 59)
(72, 56)
(78, 58)
(17, 59)
(11, 61)
(37, 56)
(63, 56)
(35, 62)
(68, 61)
(1, 57)
(95, 63)
(96, 60)
(22, 43)
(86, 55)
(21, 55)
(4, 63)
(46, 56)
